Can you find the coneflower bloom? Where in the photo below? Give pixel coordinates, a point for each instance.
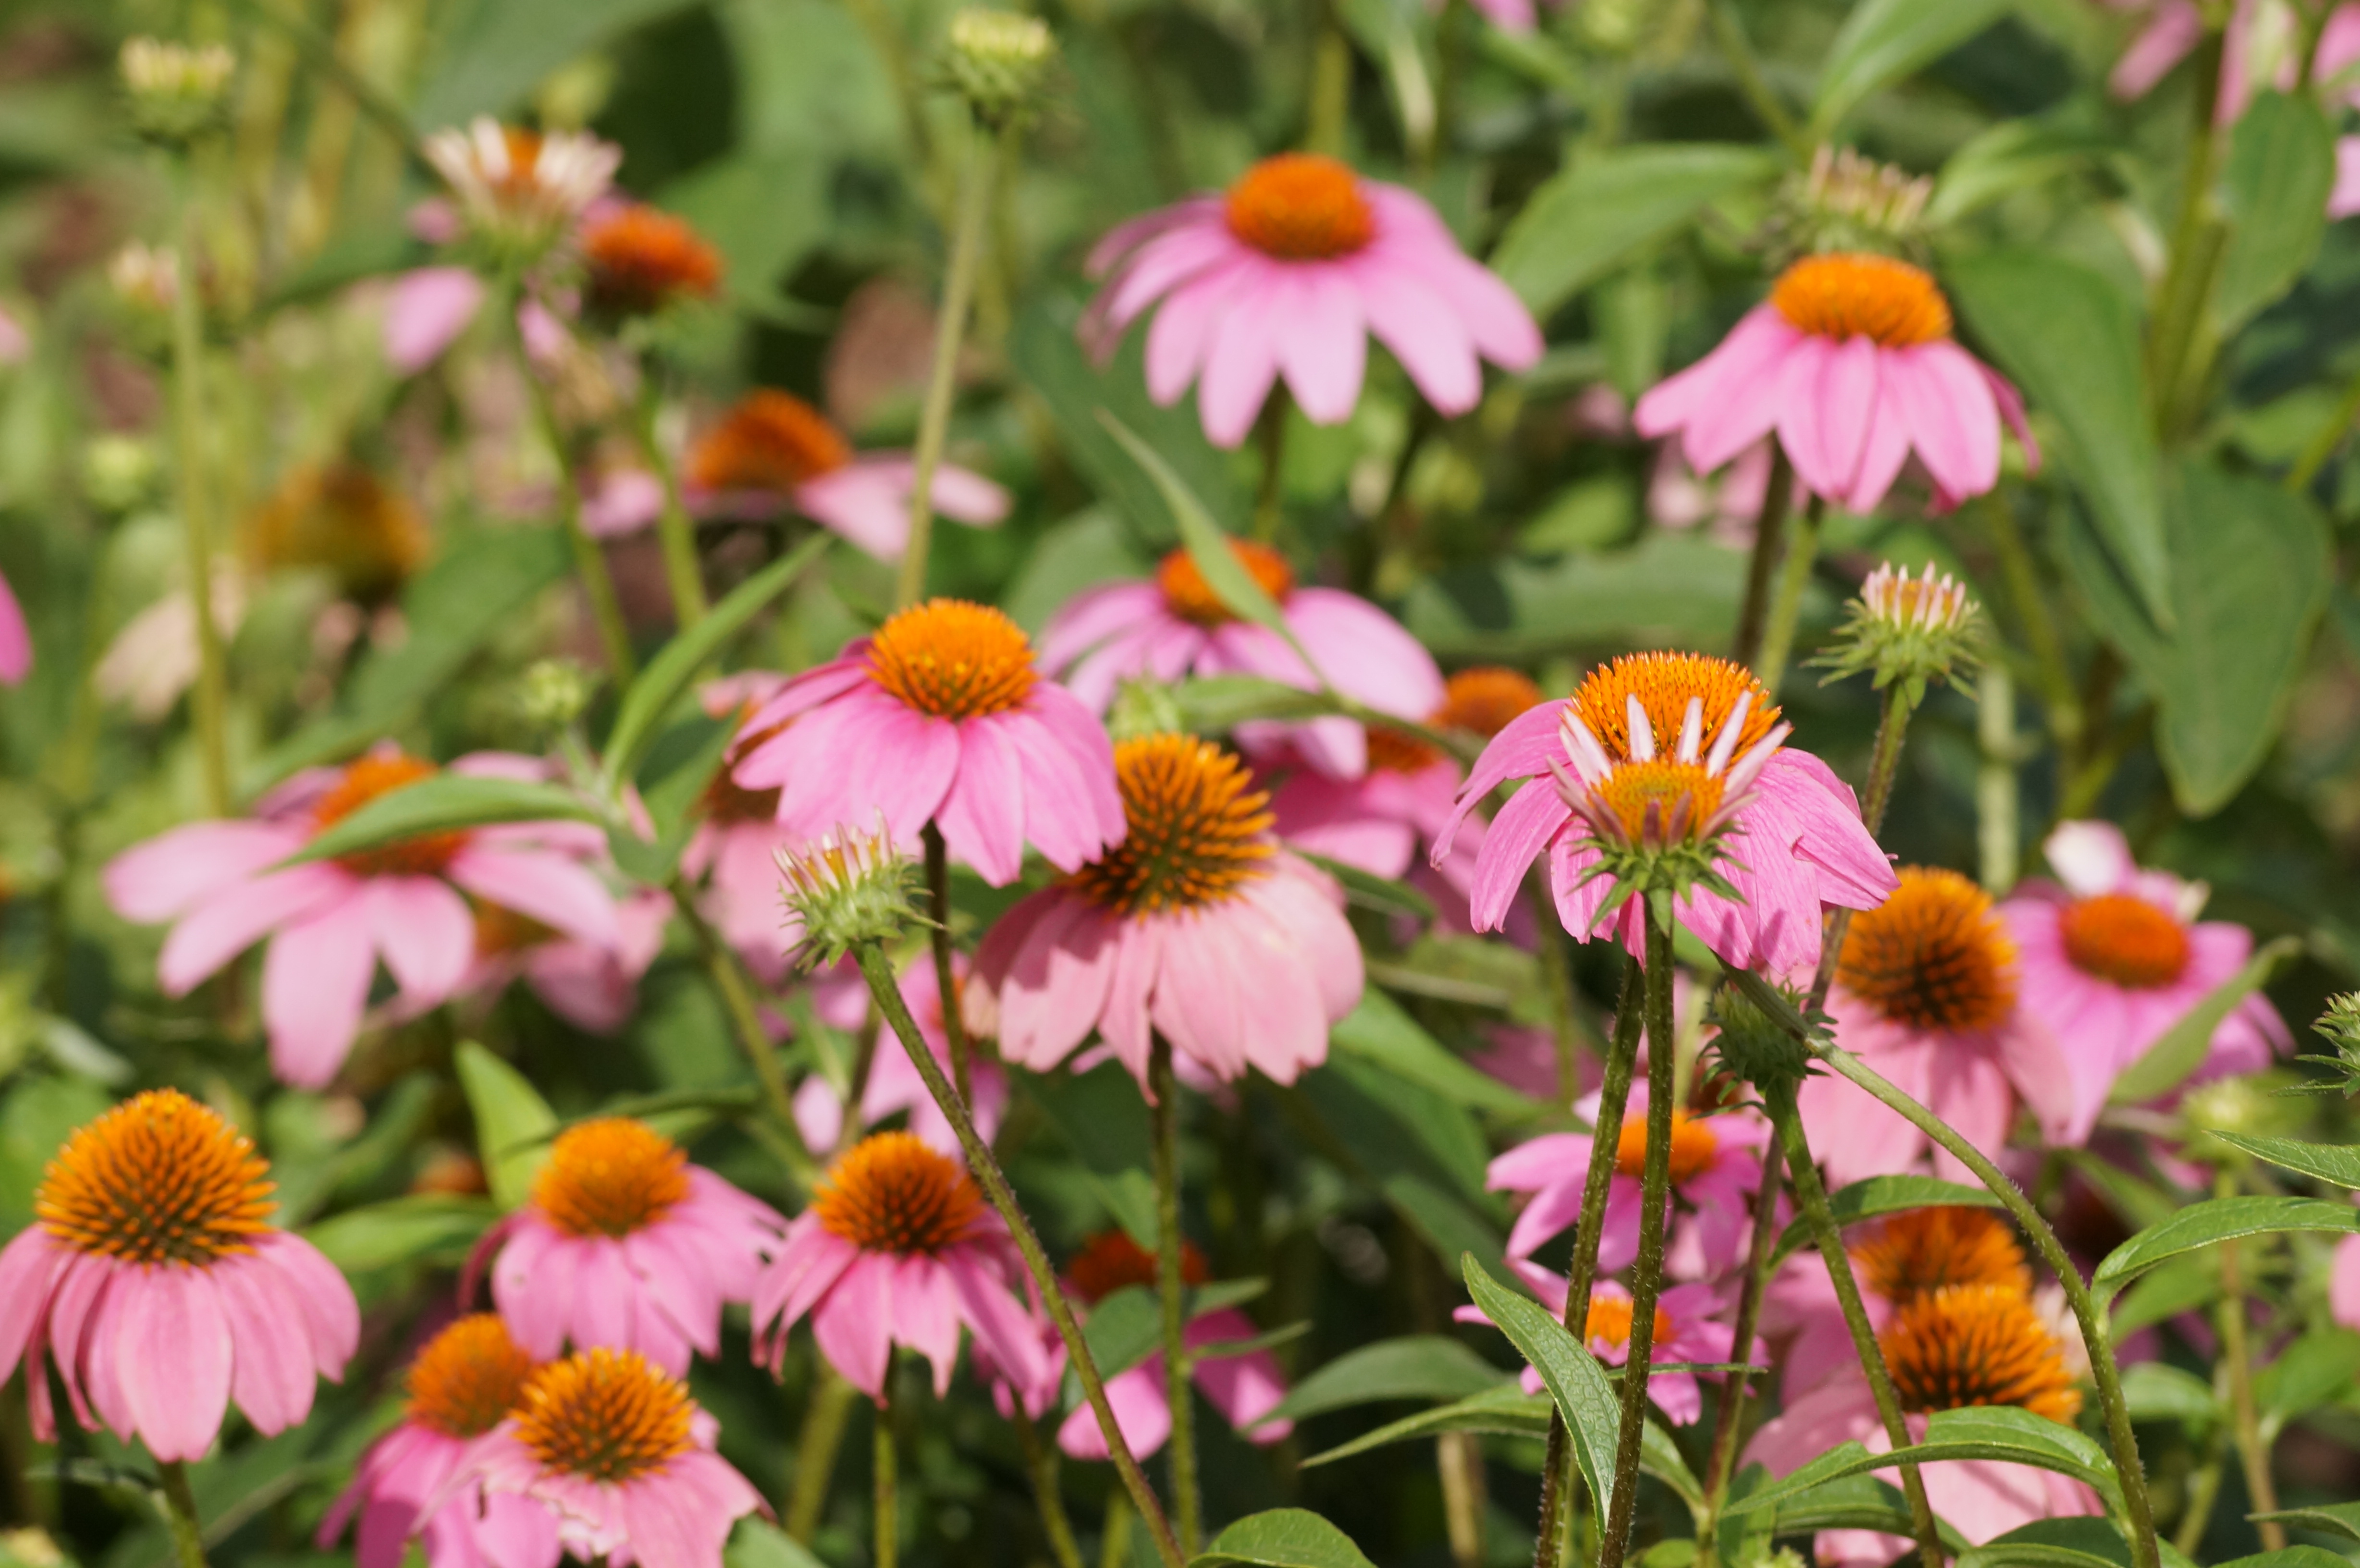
(940, 717)
(771, 453)
(1243, 1387)
(1950, 1348)
(153, 1278)
(1195, 926)
(329, 921)
(1685, 1330)
(518, 190)
(589, 986)
(465, 1381)
(1288, 273)
(894, 1086)
(1631, 746)
(1852, 365)
(640, 259)
(899, 1248)
(2112, 956)
(623, 1457)
(624, 1243)
(1927, 992)
(1177, 626)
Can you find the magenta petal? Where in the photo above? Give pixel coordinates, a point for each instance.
(270, 1373)
(172, 1356)
(559, 893)
(315, 983)
(219, 928)
(982, 817)
(853, 1324)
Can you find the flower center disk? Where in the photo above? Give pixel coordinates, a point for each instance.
(1188, 596)
(1977, 1345)
(1852, 295)
(1301, 206)
(1484, 701)
(1660, 800)
(1110, 1261)
(468, 1377)
(951, 659)
(1925, 1250)
(381, 774)
(610, 1177)
(1694, 1146)
(605, 1415)
(889, 1193)
(2122, 938)
(1395, 751)
(770, 440)
(158, 1178)
(1196, 829)
(643, 257)
(1609, 1319)
(1933, 956)
(1663, 683)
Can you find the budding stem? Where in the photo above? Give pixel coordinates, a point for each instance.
(950, 328)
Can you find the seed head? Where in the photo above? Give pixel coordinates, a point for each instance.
(849, 889)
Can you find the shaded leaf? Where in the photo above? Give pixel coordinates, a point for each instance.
(2274, 190)
(1378, 1031)
(757, 1543)
(1507, 1411)
(2336, 1164)
(495, 51)
(1575, 1382)
(2183, 1285)
(2218, 1220)
(1887, 1196)
(2156, 1390)
(2183, 1047)
(1588, 218)
(1669, 588)
(512, 1122)
(1282, 1538)
(1882, 41)
(2332, 1519)
(446, 803)
(1856, 1502)
(2316, 1369)
(1103, 1120)
(418, 1227)
(2053, 1543)
(1367, 890)
(2003, 1434)
(1417, 1367)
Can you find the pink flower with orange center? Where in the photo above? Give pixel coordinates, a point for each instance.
(1685, 1330)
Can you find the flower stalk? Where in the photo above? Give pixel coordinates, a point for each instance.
(178, 1505)
(1786, 606)
(753, 1040)
(942, 381)
(1040, 1465)
(938, 893)
(1187, 1507)
(1769, 532)
(209, 702)
(820, 1438)
(885, 1471)
(2237, 1361)
(675, 531)
(1728, 1425)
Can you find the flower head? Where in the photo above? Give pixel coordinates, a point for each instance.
(1847, 202)
(846, 889)
(154, 1279)
(520, 190)
(1920, 1251)
(642, 258)
(1961, 1345)
(996, 60)
(769, 440)
(1909, 629)
(176, 90)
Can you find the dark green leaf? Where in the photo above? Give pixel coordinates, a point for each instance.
(2054, 1543)
(2185, 1284)
(1282, 1538)
(1669, 589)
(2218, 1220)
(429, 1227)
(446, 803)
(1659, 1457)
(2156, 1390)
(1998, 1433)
(495, 51)
(1597, 212)
(1507, 1411)
(1378, 1031)
(758, 1543)
(1887, 1196)
(1103, 1120)
(2316, 1369)
(2182, 1048)
(2295, 1556)
(1856, 1502)
(472, 591)
(2274, 190)
(1882, 41)
(2332, 1519)
(512, 1122)
(1575, 1382)
(763, 214)
(2336, 1164)
(1124, 1329)
(1420, 1367)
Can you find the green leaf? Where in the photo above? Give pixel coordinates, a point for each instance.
(2012, 155)
(1367, 890)
(1587, 220)
(2336, 1164)
(1214, 705)
(2274, 190)
(1507, 1411)
(2183, 1285)
(1659, 1457)
(1124, 1329)
(758, 1543)
(2332, 1518)
(2053, 1543)
(2295, 1556)
(1418, 1367)
(2071, 343)
(1103, 1120)
(2182, 1048)
(495, 51)
(1377, 1030)
(1669, 589)
(470, 593)
(1282, 1538)
(1878, 1195)
(2155, 1390)
(445, 802)
(2315, 1371)
(1575, 1382)
(1996, 1432)
(659, 686)
(427, 1227)
(764, 214)
(1882, 41)
(512, 1122)
(1856, 1502)
(2218, 1220)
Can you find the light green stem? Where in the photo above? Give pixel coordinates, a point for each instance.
(885, 1469)
(1041, 1465)
(746, 1022)
(1721, 1466)
(1171, 1292)
(938, 893)
(589, 560)
(1729, 32)
(878, 970)
(2236, 1355)
(2065, 720)
(180, 1510)
(2197, 241)
(950, 331)
(209, 704)
(673, 528)
(826, 1415)
(1761, 568)
(1329, 101)
(1892, 728)
(1787, 608)
(2322, 446)
(1997, 809)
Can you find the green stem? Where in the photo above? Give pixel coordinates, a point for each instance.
(878, 970)
(2065, 719)
(2196, 246)
(2237, 1355)
(1812, 1199)
(1041, 1465)
(2203, 1491)
(1729, 32)
(1998, 827)
(1721, 1466)
(178, 1505)
(1794, 576)
(1114, 1533)
(1892, 728)
(938, 893)
(589, 560)
(746, 1022)
(826, 1415)
(1654, 1199)
(2322, 445)
(1458, 1460)
(1329, 101)
(1269, 497)
(209, 704)
(673, 528)
(942, 383)
(1557, 983)
(1605, 1146)
(1769, 532)
(885, 1469)
(1171, 1291)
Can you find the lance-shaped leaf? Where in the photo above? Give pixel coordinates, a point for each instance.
(1593, 1415)
(1282, 1538)
(1887, 1196)
(2336, 1164)
(2218, 1220)
(1882, 41)
(512, 1122)
(1507, 1411)
(1417, 1367)
(1585, 222)
(1999, 1432)
(446, 803)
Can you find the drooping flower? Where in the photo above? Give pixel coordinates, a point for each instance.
(1195, 926)
(1288, 273)
(624, 1459)
(1177, 626)
(1794, 843)
(1927, 992)
(894, 1086)
(2112, 956)
(329, 920)
(1243, 1387)
(640, 259)
(465, 1381)
(898, 1248)
(1851, 362)
(153, 1278)
(625, 1244)
(940, 717)
(773, 453)
(590, 986)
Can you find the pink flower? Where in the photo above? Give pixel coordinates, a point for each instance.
(1177, 626)
(621, 1456)
(329, 920)
(774, 452)
(894, 1086)
(1795, 844)
(2343, 1283)
(1286, 274)
(154, 1279)
(940, 717)
(624, 1243)
(1684, 1331)
(590, 986)
(1926, 992)
(1195, 926)
(898, 1248)
(2115, 957)
(1243, 1387)
(16, 640)
(462, 1385)
(1853, 363)
(1716, 1167)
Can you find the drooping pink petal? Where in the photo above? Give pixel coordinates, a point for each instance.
(559, 893)
(425, 933)
(315, 983)
(161, 877)
(1322, 347)
(853, 1323)
(982, 817)
(172, 1355)
(219, 928)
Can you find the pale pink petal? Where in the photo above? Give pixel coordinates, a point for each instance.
(315, 984)
(219, 928)
(331, 1314)
(1323, 346)
(982, 817)
(425, 933)
(1418, 325)
(1953, 422)
(559, 893)
(15, 639)
(1241, 360)
(425, 311)
(271, 1372)
(172, 1355)
(853, 1324)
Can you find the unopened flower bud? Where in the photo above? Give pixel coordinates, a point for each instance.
(521, 191)
(1144, 706)
(1905, 629)
(177, 92)
(1755, 1046)
(1847, 202)
(849, 889)
(2339, 1026)
(118, 472)
(554, 691)
(998, 60)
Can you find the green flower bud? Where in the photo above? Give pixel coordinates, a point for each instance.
(177, 92)
(998, 60)
(1905, 629)
(554, 691)
(849, 889)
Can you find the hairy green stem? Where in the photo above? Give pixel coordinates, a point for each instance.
(1605, 1144)
(1997, 824)
(1787, 608)
(1812, 1199)
(878, 970)
(1769, 533)
(178, 1505)
(209, 702)
(1721, 1465)
(2065, 720)
(942, 381)
(1892, 728)
(938, 893)
(1041, 1465)
(826, 1415)
(589, 559)
(1171, 1293)
(1654, 1199)
(673, 528)
(885, 1471)
(746, 1022)
(2237, 1355)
